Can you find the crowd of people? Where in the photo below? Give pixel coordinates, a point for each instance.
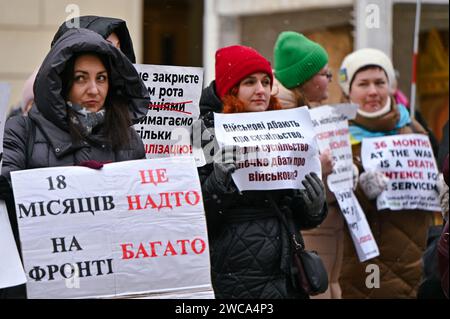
(80, 105)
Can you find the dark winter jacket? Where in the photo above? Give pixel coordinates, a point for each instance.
(250, 251)
(103, 26)
(400, 235)
(43, 140)
(52, 143)
(443, 147)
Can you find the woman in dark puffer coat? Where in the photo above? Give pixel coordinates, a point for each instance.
(250, 249)
(112, 29)
(87, 97)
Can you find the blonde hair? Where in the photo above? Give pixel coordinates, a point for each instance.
(299, 96)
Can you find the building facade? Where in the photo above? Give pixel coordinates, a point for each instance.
(188, 32)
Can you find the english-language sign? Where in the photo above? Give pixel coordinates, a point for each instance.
(408, 162)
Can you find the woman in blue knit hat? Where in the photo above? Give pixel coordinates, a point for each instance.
(301, 68)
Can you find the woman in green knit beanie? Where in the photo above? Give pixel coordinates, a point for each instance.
(301, 66)
(301, 69)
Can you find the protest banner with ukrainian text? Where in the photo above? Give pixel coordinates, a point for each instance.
(331, 126)
(11, 270)
(174, 106)
(277, 148)
(129, 229)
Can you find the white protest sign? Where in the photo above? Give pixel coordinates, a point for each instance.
(129, 229)
(408, 161)
(11, 270)
(331, 126)
(363, 240)
(174, 106)
(278, 148)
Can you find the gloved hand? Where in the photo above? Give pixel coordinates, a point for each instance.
(224, 166)
(313, 195)
(443, 196)
(6, 192)
(220, 180)
(92, 164)
(372, 183)
(355, 176)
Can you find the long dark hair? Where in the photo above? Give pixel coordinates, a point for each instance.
(117, 121)
(117, 117)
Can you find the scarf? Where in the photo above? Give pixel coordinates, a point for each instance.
(387, 124)
(85, 121)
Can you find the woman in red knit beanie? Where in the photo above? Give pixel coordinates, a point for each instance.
(236, 64)
(250, 251)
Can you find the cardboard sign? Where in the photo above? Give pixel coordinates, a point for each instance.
(277, 148)
(331, 127)
(174, 106)
(363, 240)
(408, 161)
(129, 229)
(11, 270)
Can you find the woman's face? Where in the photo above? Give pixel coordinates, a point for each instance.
(316, 88)
(370, 89)
(90, 83)
(254, 92)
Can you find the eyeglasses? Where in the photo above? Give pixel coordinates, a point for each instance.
(328, 74)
